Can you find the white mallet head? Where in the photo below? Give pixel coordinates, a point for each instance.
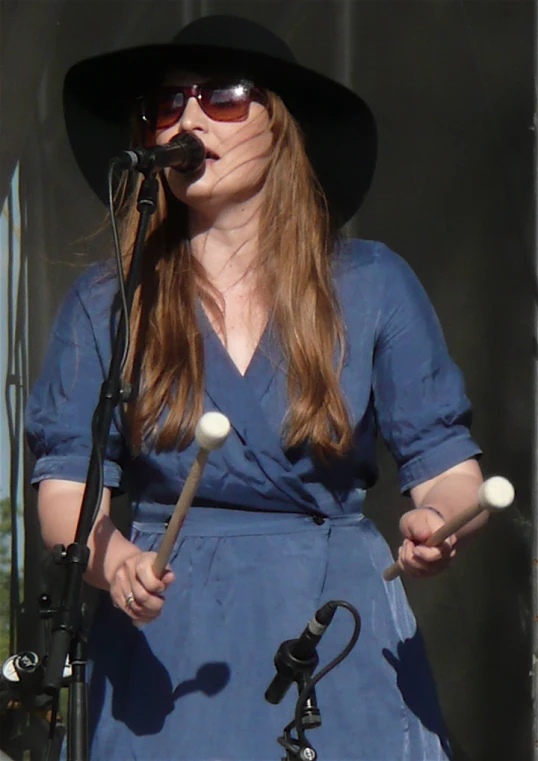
(212, 430)
(496, 493)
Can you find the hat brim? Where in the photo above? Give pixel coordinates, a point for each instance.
(339, 128)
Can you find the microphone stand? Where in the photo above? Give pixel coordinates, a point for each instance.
(297, 748)
(307, 713)
(291, 668)
(67, 635)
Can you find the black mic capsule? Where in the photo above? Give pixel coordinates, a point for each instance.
(185, 153)
(298, 657)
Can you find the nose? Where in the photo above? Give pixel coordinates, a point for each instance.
(192, 117)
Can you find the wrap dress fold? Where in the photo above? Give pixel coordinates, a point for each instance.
(271, 535)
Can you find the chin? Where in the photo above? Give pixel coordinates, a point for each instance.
(206, 192)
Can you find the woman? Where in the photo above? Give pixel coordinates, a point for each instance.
(251, 304)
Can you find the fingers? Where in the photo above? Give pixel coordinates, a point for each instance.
(137, 591)
(421, 561)
(414, 556)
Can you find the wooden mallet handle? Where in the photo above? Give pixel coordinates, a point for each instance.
(211, 433)
(494, 495)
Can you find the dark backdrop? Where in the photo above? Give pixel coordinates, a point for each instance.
(451, 84)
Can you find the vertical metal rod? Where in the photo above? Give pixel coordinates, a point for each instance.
(534, 493)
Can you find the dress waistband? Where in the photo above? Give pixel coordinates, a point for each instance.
(211, 521)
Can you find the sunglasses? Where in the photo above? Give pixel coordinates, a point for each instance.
(221, 101)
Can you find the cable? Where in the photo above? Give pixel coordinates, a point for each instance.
(117, 255)
(14, 411)
(52, 725)
(311, 683)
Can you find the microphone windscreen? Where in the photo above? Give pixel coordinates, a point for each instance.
(194, 150)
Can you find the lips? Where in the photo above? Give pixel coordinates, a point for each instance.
(211, 155)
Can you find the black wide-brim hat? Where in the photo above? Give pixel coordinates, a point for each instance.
(340, 135)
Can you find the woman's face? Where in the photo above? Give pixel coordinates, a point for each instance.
(238, 153)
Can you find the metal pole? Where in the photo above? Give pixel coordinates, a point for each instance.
(534, 666)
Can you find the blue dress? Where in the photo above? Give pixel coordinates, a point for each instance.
(270, 537)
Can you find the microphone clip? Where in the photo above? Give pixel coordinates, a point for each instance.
(289, 669)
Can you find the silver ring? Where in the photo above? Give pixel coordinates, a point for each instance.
(129, 600)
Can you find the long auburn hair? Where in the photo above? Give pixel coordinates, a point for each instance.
(294, 279)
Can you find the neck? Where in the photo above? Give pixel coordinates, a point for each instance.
(225, 242)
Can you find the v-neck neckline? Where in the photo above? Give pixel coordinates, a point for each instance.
(208, 331)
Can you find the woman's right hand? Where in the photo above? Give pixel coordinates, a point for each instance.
(136, 590)
(115, 563)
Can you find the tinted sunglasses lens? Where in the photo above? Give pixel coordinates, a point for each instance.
(226, 103)
(164, 107)
(221, 102)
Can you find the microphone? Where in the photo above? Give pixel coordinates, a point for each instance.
(185, 153)
(296, 658)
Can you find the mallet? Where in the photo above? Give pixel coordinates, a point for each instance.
(494, 495)
(211, 433)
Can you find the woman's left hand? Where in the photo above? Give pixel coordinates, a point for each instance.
(414, 557)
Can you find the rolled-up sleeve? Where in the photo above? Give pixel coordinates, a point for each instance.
(421, 406)
(62, 402)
